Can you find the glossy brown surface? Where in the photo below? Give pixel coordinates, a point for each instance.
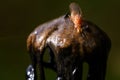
(70, 46)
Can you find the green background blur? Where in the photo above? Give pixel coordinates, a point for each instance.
(19, 17)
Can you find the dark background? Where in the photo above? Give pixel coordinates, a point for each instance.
(19, 17)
